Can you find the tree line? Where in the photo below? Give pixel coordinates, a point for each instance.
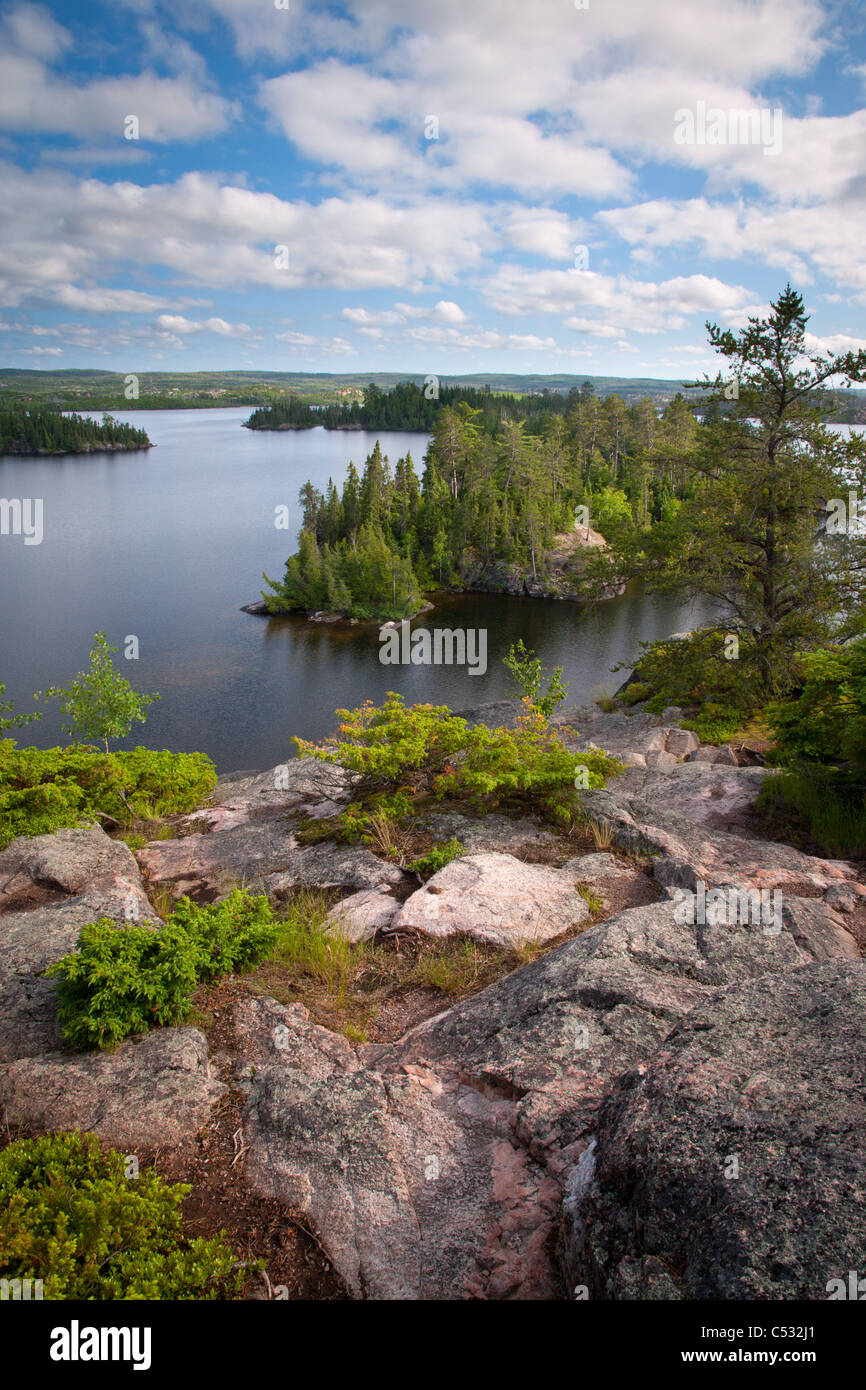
(409, 406)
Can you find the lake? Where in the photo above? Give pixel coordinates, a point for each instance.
(167, 544)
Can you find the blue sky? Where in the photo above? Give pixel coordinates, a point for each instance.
(399, 185)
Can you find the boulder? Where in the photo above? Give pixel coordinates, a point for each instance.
(150, 1092)
(709, 753)
(677, 818)
(494, 898)
(360, 916)
(208, 865)
(681, 742)
(845, 897)
(297, 782)
(586, 867)
(660, 761)
(73, 877)
(483, 834)
(731, 1165)
(327, 865)
(61, 864)
(265, 856)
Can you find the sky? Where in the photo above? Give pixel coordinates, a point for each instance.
(428, 186)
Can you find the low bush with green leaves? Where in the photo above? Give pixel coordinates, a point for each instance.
(634, 693)
(821, 747)
(705, 672)
(125, 979)
(427, 749)
(715, 723)
(70, 1217)
(437, 857)
(47, 789)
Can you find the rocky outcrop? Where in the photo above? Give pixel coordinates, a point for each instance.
(301, 784)
(265, 858)
(733, 1164)
(566, 1125)
(674, 819)
(435, 1167)
(490, 834)
(586, 868)
(151, 1091)
(560, 573)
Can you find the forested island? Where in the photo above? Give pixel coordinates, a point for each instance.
(495, 508)
(574, 501)
(32, 430)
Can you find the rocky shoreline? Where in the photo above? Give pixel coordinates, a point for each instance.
(572, 1129)
(512, 580)
(89, 448)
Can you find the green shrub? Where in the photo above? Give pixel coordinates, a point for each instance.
(827, 720)
(436, 858)
(821, 744)
(43, 790)
(695, 671)
(438, 751)
(126, 979)
(70, 1217)
(715, 724)
(634, 693)
(232, 935)
(391, 741)
(358, 822)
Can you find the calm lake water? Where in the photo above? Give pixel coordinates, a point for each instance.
(167, 545)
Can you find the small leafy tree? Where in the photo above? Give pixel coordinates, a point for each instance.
(527, 671)
(101, 703)
(8, 720)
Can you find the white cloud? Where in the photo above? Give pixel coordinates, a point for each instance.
(799, 241)
(640, 306)
(33, 98)
(176, 323)
(32, 29)
(834, 343)
(209, 233)
(369, 321)
(106, 301)
(309, 341)
(542, 103)
(542, 232)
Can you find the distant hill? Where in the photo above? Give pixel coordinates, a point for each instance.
(92, 389)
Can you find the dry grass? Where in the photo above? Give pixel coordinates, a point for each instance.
(602, 833)
(374, 990)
